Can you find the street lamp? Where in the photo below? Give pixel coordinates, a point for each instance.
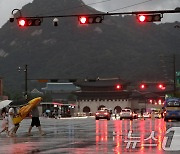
(25, 79)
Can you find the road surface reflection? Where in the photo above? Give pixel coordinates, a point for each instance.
(140, 136)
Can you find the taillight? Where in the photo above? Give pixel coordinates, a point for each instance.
(97, 113)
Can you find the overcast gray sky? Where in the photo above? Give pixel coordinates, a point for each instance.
(6, 6)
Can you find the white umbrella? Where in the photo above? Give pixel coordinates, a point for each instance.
(5, 103)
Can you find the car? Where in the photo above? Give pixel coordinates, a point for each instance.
(126, 114)
(135, 115)
(146, 115)
(157, 115)
(102, 114)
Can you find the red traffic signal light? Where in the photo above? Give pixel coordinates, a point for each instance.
(118, 86)
(23, 22)
(141, 18)
(143, 86)
(83, 20)
(161, 86)
(90, 19)
(149, 18)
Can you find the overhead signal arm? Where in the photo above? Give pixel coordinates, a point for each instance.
(142, 16)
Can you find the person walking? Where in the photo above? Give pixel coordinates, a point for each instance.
(11, 125)
(115, 113)
(4, 121)
(18, 124)
(35, 121)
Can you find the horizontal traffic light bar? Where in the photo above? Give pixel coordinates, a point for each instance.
(92, 18)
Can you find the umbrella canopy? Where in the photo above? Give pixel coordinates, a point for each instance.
(4, 103)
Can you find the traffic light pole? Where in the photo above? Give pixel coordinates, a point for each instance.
(174, 74)
(25, 80)
(25, 93)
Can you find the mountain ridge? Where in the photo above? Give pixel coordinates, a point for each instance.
(119, 46)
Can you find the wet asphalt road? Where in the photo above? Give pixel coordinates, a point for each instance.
(88, 136)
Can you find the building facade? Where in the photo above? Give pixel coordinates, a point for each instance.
(91, 95)
(119, 94)
(108, 93)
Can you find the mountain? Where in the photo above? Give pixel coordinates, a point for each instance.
(118, 47)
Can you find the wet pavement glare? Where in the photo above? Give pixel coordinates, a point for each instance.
(89, 136)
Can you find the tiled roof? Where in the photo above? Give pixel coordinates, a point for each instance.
(60, 87)
(101, 83)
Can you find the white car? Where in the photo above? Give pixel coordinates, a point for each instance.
(126, 114)
(146, 115)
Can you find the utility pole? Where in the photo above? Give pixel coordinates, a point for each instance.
(174, 74)
(25, 80)
(25, 93)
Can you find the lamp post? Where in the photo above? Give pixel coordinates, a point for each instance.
(25, 80)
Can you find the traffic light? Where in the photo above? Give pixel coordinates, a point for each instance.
(143, 86)
(149, 17)
(161, 86)
(118, 87)
(90, 19)
(23, 22)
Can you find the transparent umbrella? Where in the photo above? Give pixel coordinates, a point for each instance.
(5, 103)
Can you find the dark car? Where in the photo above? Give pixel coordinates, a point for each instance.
(102, 114)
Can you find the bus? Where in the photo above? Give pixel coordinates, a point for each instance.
(172, 109)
